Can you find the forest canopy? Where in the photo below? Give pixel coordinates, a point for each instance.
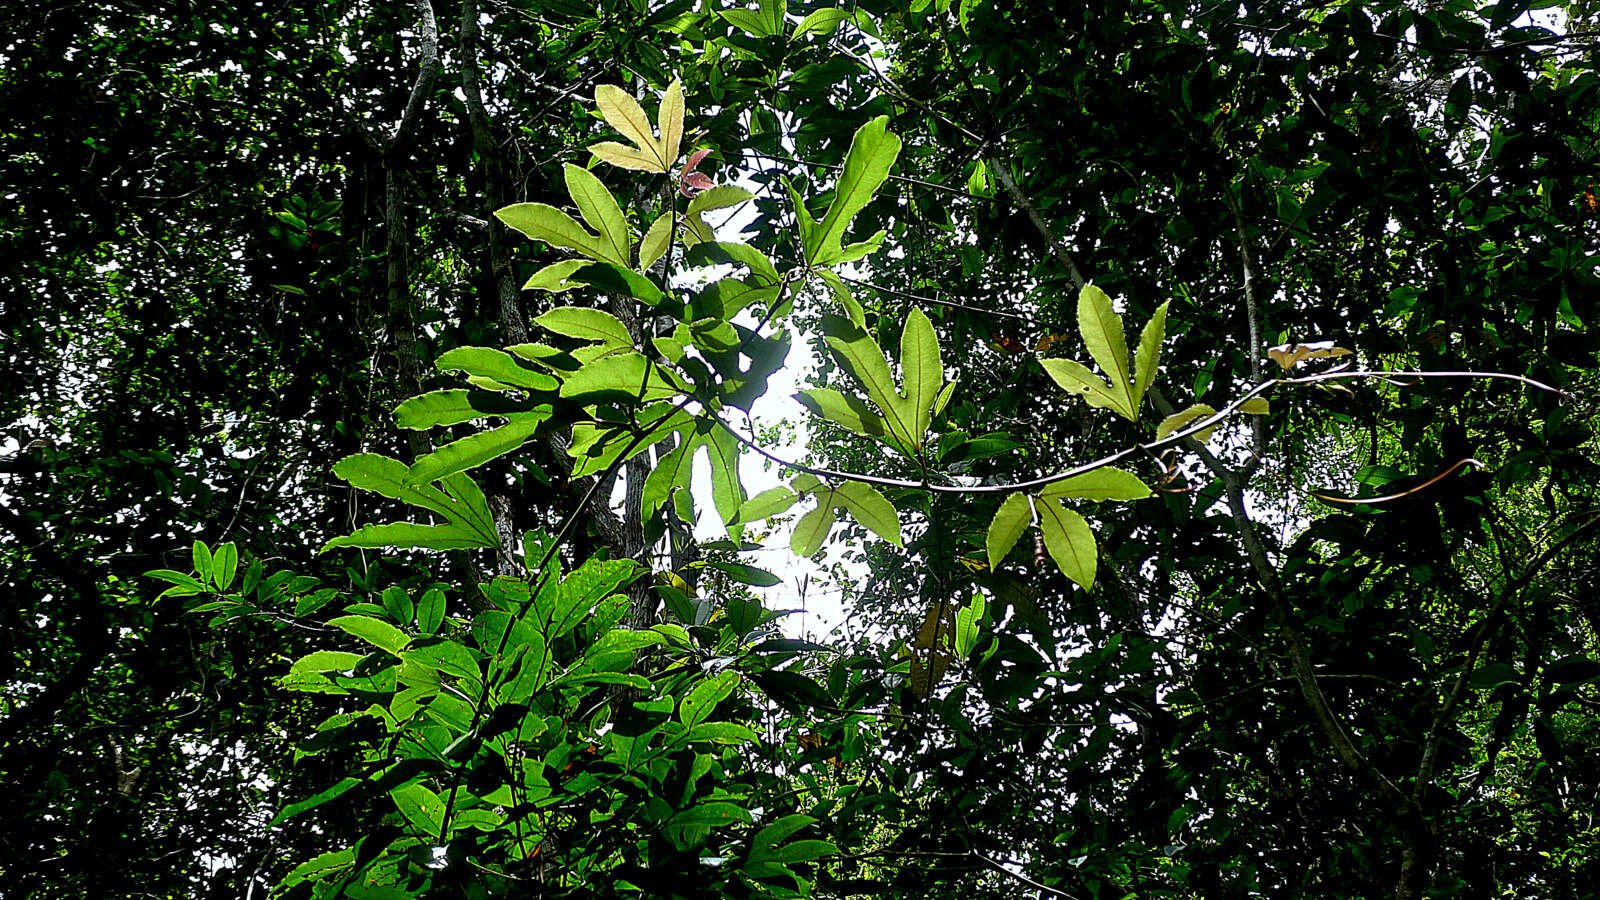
(425, 419)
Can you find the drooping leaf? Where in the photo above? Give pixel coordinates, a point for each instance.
(767, 504)
(451, 407)
(1101, 484)
(544, 222)
(1010, 520)
(931, 648)
(1256, 406)
(851, 412)
(813, 528)
(1069, 541)
(869, 507)
(1181, 420)
(553, 278)
(821, 22)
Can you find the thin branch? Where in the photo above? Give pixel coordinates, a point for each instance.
(998, 867)
(1023, 200)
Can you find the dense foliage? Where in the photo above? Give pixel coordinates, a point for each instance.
(1201, 440)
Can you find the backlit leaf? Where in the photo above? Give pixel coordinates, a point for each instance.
(1101, 484)
(872, 153)
(1010, 520)
(1069, 541)
(1181, 420)
(1102, 332)
(1148, 358)
(586, 325)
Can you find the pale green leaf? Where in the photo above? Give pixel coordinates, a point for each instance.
(553, 278)
(863, 249)
(392, 478)
(757, 262)
(870, 508)
(625, 114)
(374, 631)
(852, 307)
(697, 705)
(1010, 520)
(1256, 406)
(625, 157)
(1181, 420)
(1068, 540)
(601, 212)
(749, 21)
(1102, 332)
(586, 325)
(476, 449)
(872, 153)
(922, 373)
(544, 222)
(1075, 378)
(669, 119)
(471, 506)
(1101, 484)
(813, 528)
(656, 241)
(727, 493)
(672, 470)
(968, 619)
(1148, 358)
(721, 196)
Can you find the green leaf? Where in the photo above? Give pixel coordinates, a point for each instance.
(812, 529)
(719, 197)
(225, 564)
(747, 20)
(476, 449)
(922, 373)
(553, 278)
(656, 241)
(1101, 484)
(430, 610)
(495, 365)
(544, 222)
(852, 307)
(421, 807)
(451, 407)
(1148, 358)
(630, 375)
(410, 534)
(1010, 520)
(870, 508)
(727, 493)
(1069, 541)
(1181, 420)
(586, 324)
(823, 22)
(721, 733)
(314, 801)
(1075, 378)
(872, 153)
(326, 661)
(201, 554)
(714, 815)
(1102, 332)
(600, 210)
(862, 357)
(767, 504)
(850, 412)
(703, 697)
(392, 478)
(1256, 406)
(804, 851)
(968, 618)
(374, 631)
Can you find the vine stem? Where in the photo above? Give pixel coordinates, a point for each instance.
(1170, 440)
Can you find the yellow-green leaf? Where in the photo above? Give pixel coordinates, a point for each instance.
(813, 528)
(1101, 484)
(586, 324)
(1148, 358)
(1010, 520)
(1102, 332)
(601, 212)
(922, 372)
(1181, 420)
(1068, 540)
(872, 153)
(870, 508)
(1256, 406)
(669, 119)
(544, 222)
(656, 241)
(626, 115)
(1075, 378)
(553, 278)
